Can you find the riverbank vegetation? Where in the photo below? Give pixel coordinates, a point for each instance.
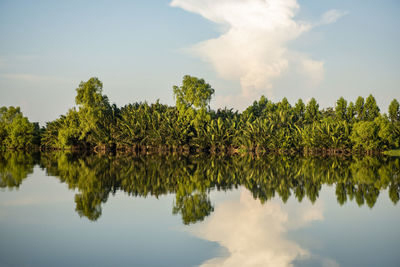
(191, 126)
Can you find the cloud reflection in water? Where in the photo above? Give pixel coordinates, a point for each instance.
(255, 234)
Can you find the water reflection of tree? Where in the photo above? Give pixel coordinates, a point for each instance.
(192, 178)
(192, 207)
(15, 167)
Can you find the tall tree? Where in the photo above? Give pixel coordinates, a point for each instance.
(371, 108)
(69, 133)
(341, 109)
(360, 108)
(193, 93)
(97, 116)
(257, 109)
(284, 105)
(351, 111)
(312, 111)
(299, 109)
(192, 100)
(16, 132)
(394, 112)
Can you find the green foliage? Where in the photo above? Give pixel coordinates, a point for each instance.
(326, 134)
(49, 137)
(69, 134)
(378, 134)
(92, 124)
(341, 109)
(194, 93)
(192, 101)
(365, 136)
(153, 125)
(16, 132)
(258, 108)
(351, 112)
(312, 111)
(191, 126)
(388, 134)
(359, 108)
(394, 111)
(96, 115)
(217, 134)
(299, 110)
(371, 109)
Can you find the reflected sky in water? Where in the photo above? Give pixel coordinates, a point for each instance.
(196, 218)
(302, 234)
(255, 234)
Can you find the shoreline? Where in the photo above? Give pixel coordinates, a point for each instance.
(139, 150)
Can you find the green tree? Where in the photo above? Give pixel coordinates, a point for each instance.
(299, 109)
(365, 136)
(394, 111)
(351, 111)
(69, 133)
(341, 109)
(390, 139)
(312, 111)
(371, 109)
(192, 126)
(97, 117)
(192, 102)
(284, 105)
(257, 108)
(16, 132)
(193, 93)
(359, 108)
(49, 137)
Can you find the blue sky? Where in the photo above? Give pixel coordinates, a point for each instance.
(140, 49)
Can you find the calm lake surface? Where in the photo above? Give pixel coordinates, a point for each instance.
(60, 209)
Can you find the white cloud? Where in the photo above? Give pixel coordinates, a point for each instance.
(254, 49)
(255, 234)
(332, 16)
(326, 262)
(312, 70)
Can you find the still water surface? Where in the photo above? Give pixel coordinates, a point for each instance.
(61, 209)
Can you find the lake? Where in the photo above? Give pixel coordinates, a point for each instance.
(66, 209)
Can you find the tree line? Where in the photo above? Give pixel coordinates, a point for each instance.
(191, 178)
(191, 126)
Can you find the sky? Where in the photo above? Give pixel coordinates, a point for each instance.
(244, 48)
